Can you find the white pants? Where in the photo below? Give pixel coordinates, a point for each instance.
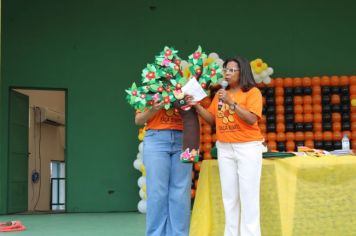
(240, 167)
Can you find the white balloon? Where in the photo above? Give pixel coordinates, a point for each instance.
(267, 80)
(142, 206)
(141, 181)
(214, 55)
(140, 147)
(264, 74)
(219, 62)
(269, 70)
(142, 194)
(183, 64)
(137, 164)
(139, 156)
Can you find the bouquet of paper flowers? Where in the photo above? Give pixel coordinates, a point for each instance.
(163, 81)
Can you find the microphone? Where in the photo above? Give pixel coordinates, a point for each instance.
(223, 84)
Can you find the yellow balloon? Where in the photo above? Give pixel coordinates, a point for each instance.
(353, 102)
(264, 66)
(144, 188)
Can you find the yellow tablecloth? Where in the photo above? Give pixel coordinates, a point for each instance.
(300, 196)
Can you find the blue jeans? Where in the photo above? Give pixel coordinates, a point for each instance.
(168, 184)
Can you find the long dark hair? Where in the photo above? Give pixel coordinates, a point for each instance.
(246, 80)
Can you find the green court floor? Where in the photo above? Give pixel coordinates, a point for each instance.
(79, 224)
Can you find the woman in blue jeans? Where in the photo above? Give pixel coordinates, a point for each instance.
(168, 180)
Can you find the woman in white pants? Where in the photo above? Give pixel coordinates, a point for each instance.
(235, 112)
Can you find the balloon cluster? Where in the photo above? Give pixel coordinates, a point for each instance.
(261, 71)
(138, 164)
(163, 80)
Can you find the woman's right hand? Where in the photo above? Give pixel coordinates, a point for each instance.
(189, 99)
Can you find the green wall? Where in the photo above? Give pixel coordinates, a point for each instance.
(95, 49)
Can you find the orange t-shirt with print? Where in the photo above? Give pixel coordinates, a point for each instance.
(230, 128)
(165, 119)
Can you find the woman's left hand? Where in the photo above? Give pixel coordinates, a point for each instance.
(225, 97)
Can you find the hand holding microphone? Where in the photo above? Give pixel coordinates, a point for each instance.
(223, 84)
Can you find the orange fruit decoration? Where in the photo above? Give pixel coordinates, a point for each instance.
(290, 146)
(317, 127)
(315, 81)
(309, 143)
(307, 82)
(325, 81)
(297, 82)
(327, 135)
(281, 137)
(334, 81)
(288, 82)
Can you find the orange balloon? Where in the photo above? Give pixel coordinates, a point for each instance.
(272, 145)
(309, 135)
(334, 81)
(207, 138)
(318, 127)
(278, 82)
(325, 81)
(213, 138)
(344, 80)
(337, 136)
(280, 127)
(353, 126)
(298, 109)
(327, 135)
(307, 108)
(299, 136)
(297, 82)
(298, 100)
(281, 137)
(271, 84)
(263, 128)
(353, 116)
(288, 82)
(279, 100)
(279, 91)
(315, 81)
(317, 108)
(353, 146)
(298, 118)
(207, 129)
(306, 81)
(353, 89)
(316, 99)
(207, 156)
(207, 147)
(336, 117)
(280, 109)
(271, 136)
(336, 126)
(197, 166)
(307, 99)
(316, 90)
(280, 118)
(290, 136)
(309, 143)
(318, 135)
(262, 120)
(348, 133)
(318, 118)
(290, 146)
(308, 117)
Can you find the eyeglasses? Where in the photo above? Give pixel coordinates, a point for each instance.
(231, 70)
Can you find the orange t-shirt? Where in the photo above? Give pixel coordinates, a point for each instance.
(230, 128)
(165, 119)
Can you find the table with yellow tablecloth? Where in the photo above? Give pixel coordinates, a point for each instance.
(300, 196)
